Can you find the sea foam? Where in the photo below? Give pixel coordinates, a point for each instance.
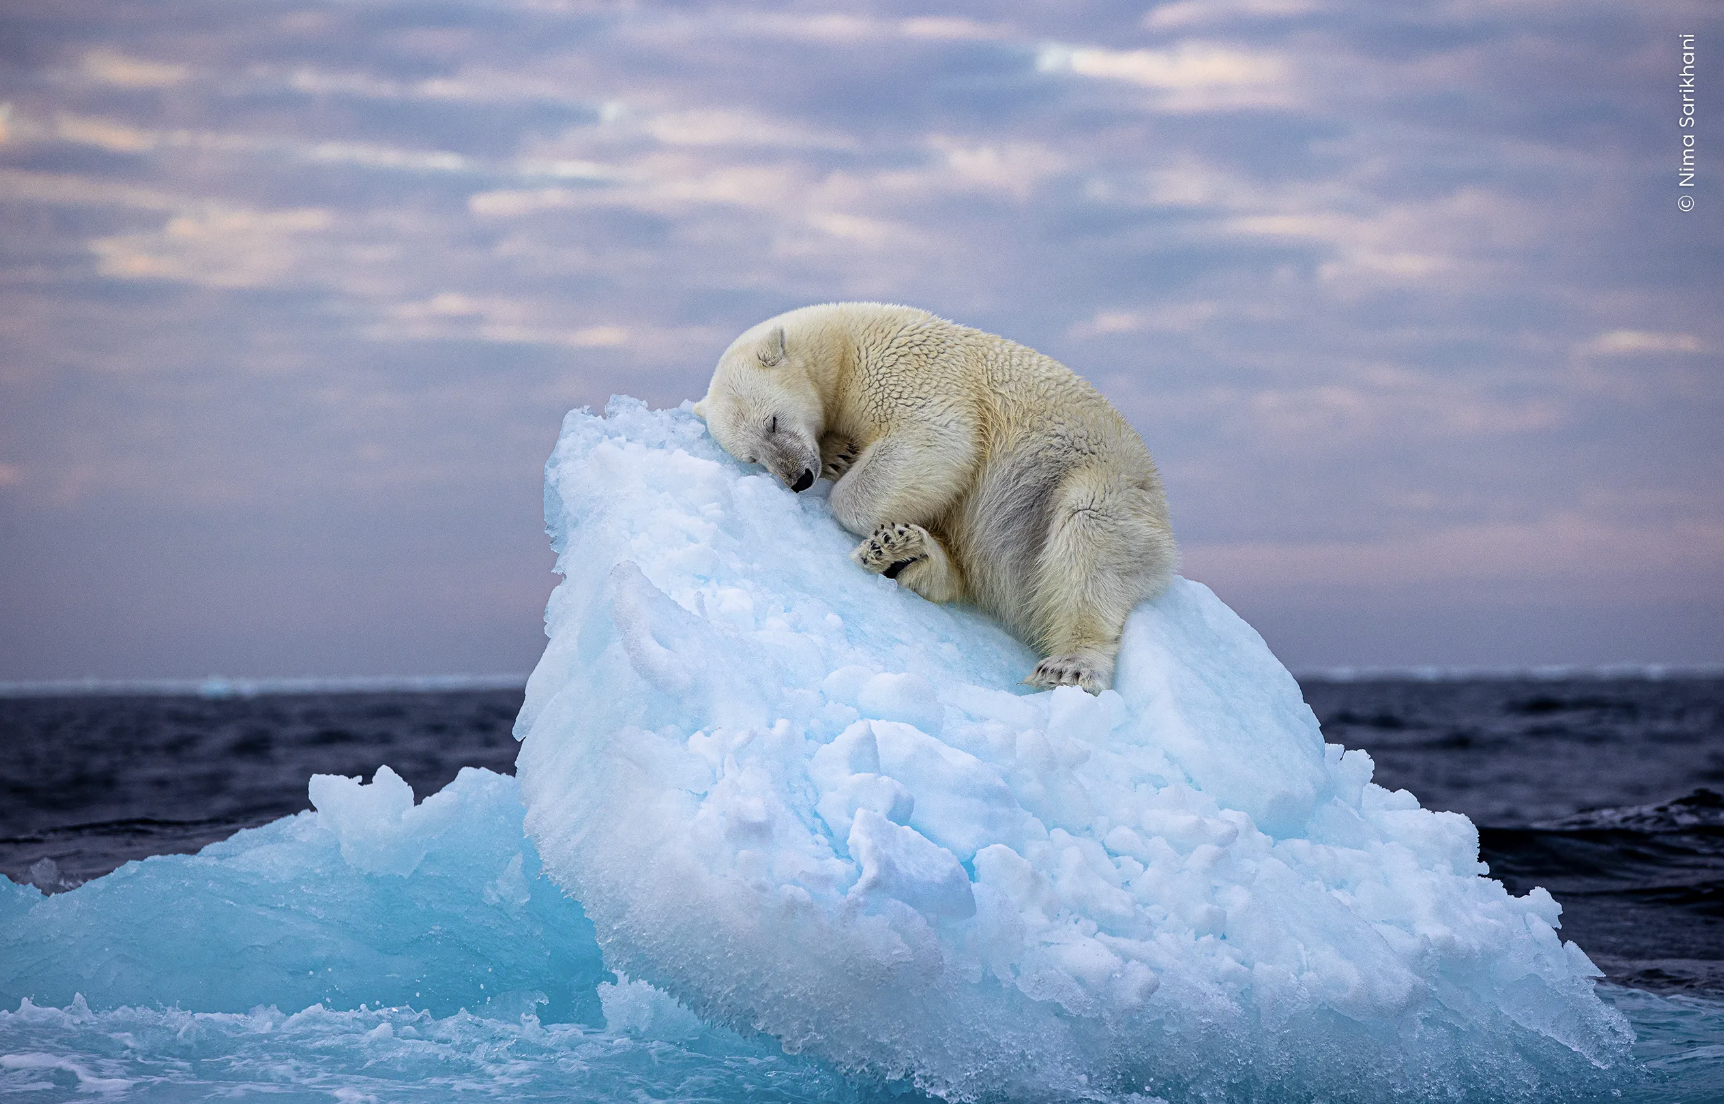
(807, 802)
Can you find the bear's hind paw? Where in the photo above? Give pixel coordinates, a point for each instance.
(892, 548)
(1075, 669)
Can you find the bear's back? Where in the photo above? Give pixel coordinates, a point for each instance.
(906, 352)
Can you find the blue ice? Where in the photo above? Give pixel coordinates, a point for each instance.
(367, 899)
(369, 949)
(806, 802)
(821, 840)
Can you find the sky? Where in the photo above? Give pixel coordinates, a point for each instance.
(294, 296)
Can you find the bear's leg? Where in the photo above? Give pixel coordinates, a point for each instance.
(1107, 550)
(914, 557)
(902, 476)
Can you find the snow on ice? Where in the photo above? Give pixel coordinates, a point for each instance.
(806, 802)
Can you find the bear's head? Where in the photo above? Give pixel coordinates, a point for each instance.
(763, 408)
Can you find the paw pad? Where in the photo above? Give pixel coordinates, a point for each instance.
(892, 548)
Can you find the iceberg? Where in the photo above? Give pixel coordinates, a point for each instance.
(368, 899)
(369, 949)
(807, 803)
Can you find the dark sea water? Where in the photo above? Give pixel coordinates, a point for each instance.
(1606, 791)
(95, 780)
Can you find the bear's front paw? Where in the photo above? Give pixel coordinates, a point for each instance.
(892, 548)
(1069, 670)
(840, 458)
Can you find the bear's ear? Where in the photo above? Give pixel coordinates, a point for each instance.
(699, 409)
(771, 352)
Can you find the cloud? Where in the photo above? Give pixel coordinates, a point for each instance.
(867, 232)
(216, 249)
(375, 155)
(856, 205)
(1191, 13)
(123, 71)
(1193, 76)
(1632, 342)
(708, 127)
(118, 137)
(468, 85)
(848, 28)
(71, 190)
(1371, 247)
(1363, 410)
(103, 134)
(1447, 239)
(955, 29)
(1326, 259)
(1564, 551)
(513, 203)
(1014, 168)
(1161, 318)
(490, 318)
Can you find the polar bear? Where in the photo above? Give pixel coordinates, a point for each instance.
(975, 469)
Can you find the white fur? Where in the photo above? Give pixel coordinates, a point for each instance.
(975, 468)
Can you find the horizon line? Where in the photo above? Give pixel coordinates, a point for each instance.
(215, 687)
(235, 686)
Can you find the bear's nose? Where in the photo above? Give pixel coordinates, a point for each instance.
(803, 481)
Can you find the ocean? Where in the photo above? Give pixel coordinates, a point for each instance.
(1604, 790)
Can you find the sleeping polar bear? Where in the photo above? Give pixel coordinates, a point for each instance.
(975, 468)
